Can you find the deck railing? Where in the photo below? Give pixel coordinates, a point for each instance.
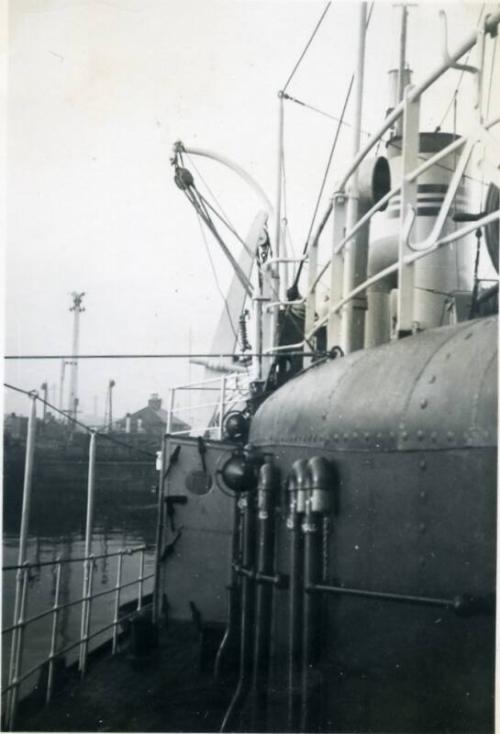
(227, 391)
(20, 623)
(342, 290)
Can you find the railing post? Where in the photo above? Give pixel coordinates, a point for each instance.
(311, 296)
(222, 405)
(84, 647)
(410, 147)
(140, 580)
(53, 640)
(336, 270)
(355, 251)
(160, 529)
(117, 601)
(87, 564)
(17, 649)
(23, 540)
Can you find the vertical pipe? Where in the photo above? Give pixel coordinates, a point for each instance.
(17, 651)
(295, 611)
(312, 611)
(117, 602)
(247, 613)
(222, 407)
(263, 613)
(230, 639)
(53, 638)
(355, 255)
(140, 580)
(87, 564)
(23, 541)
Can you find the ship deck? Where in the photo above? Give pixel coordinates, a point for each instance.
(169, 690)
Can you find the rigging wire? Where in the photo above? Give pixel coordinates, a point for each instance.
(454, 94)
(288, 234)
(203, 180)
(224, 218)
(492, 66)
(460, 78)
(322, 112)
(224, 222)
(236, 266)
(107, 437)
(193, 196)
(329, 162)
(306, 48)
(167, 355)
(285, 229)
(323, 182)
(217, 284)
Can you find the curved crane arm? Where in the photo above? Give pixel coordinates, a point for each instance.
(179, 147)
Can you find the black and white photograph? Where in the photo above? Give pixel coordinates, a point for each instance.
(250, 366)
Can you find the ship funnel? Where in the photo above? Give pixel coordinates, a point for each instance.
(443, 279)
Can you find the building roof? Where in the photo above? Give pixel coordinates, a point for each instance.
(150, 416)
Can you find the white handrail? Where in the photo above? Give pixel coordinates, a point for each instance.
(446, 240)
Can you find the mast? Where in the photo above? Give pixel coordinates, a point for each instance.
(77, 309)
(402, 61)
(277, 231)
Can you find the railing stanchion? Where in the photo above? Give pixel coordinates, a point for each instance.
(18, 651)
(406, 294)
(84, 648)
(140, 579)
(160, 529)
(310, 301)
(23, 540)
(53, 639)
(87, 567)
(117, 602)
(336, 271)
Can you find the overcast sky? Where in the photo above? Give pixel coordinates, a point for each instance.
(98, 91)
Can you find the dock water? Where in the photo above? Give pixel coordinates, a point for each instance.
(125, 516)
